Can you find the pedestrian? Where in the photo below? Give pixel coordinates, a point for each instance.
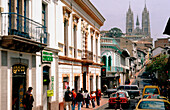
(87, 98)
(28, 99)
(118, 105)
(79, 99)
(92, 97)
(164, 91)
(98, 96)
(68, 99)
(74, 99)
(82, 92)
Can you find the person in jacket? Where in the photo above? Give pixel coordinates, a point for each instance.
(87, 98)
(92, 97)
(98, 96)
(118, 105)
(68, 99)
(74, 99)
(28, 99)
(79, 99)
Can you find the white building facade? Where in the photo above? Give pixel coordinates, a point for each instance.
(47, 45)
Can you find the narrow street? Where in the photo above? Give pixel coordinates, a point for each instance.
(133, 102)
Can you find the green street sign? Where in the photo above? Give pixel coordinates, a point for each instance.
(47, 56)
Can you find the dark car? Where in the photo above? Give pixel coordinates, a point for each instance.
(133, 90)
(146, 75)
(110, 91)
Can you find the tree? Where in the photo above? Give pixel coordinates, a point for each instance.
(114, 32)
(159, 64)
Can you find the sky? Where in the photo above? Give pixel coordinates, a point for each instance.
(114, 11)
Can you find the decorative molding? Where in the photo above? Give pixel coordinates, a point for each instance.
(62, 63)
(66, 13)
(75, 20)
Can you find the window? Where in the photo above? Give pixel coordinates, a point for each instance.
(91, 43)
(96, 50)
(120, 88)
(134, 88)
(65, 82)
(127, 87)
(44, 16)
(4, 58)
(66, 37)
(75, 41)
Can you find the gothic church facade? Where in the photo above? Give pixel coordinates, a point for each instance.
(144, 30)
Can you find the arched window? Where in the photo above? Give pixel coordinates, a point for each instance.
(104, 60)
(109, 61)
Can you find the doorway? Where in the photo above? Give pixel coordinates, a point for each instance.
(46, 81)
(18, 86)
(77, 84)
(91, 83)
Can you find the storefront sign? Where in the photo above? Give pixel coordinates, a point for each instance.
(47, 56)
(50, 93)
(18, 69)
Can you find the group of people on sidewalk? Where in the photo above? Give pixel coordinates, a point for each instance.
(71, 98)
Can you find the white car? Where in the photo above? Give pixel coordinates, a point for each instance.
(127, 95)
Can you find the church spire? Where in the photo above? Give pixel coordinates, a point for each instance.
(137, 21)
(145, 8)
(129, 7)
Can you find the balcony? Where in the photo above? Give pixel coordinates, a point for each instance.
(21, 33)
(114, 69)
(88, 59)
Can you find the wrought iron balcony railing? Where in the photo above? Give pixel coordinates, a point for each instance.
(16, 24)
(114, 69)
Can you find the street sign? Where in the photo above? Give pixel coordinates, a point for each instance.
(50, 93)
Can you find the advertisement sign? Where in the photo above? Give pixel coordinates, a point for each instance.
(50, 93)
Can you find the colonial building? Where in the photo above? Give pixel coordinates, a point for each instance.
(116, 63)
(48, 45)
(79, 44)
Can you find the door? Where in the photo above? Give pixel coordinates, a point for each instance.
(18, 86)
(46, 81)
(18, 90)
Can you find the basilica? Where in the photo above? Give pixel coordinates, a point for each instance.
(137, 30)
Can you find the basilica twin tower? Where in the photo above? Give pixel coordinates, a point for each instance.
(145, 30)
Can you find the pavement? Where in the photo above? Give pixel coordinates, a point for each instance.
(103, 102)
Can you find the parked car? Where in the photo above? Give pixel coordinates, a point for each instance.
(124, 100)
(133, 90)
(150, 89)
(145, 75)
(110, 91)
(152, 104)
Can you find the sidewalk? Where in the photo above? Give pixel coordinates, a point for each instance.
(102, 102)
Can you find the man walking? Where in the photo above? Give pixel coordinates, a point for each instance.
(68, 99)
(74, 99)
(28, 99)
(98, 96)
(79, 99)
